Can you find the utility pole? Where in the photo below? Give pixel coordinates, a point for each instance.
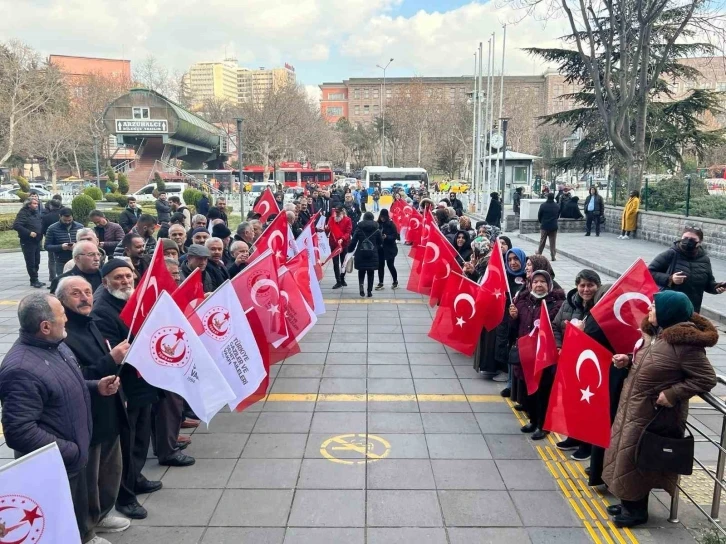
(483, 124)
(98, 169)
(505, 123)
(501, 101)
(239, 165)
(474, 118)
(383, 113)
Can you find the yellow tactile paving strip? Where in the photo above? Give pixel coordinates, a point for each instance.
(588, 503)
(377, 397)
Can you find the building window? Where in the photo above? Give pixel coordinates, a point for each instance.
(375, 109)
(334, 111)
(356, 109)
(388, 93)
(366, 109)
(140, 113)
(520, 174)
(366, 93)
(375, 93)
(336, 96)
(356, 93)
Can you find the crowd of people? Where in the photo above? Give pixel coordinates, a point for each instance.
(63, 381)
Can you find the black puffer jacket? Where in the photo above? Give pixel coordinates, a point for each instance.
(28, 221)
(106, 310)
(572, 308)
(57, 235)
(45, 399)
(696, 267)
(94, 358)
(128, 218)
(389, 249)
(367, 230)
(547, 216)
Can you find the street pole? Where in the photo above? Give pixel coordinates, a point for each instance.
(475, 98)
(383, 113)
(505, 122)
(490, 127)
(501, 99)
(98, 169)
(239, 165)
(484, 123)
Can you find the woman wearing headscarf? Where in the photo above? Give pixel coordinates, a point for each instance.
(484, 361)
(667, 370)
(575, 309)
(494, 213)
(462, 245)
(465, 224)
(524, 313)
(388, 250)
(514, 262)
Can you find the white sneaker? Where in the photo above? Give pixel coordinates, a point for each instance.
(621, 237)
(98, 540)
(112, 524)
(626, 237)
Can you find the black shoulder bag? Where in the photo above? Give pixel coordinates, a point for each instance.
(663, 453)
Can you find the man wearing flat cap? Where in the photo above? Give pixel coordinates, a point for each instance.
(198, 257)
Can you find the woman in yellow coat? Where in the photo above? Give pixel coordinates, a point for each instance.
(630, 216)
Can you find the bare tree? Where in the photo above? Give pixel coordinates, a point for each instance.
(46, 136)
(153, 75)
(27, 85)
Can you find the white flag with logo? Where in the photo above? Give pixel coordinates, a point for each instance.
(169, 355)
(229, 340)
(35, 500)
(305, 242)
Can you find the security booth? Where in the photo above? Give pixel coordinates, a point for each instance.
(160, 131)
(518, 172)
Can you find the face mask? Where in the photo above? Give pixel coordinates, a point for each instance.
(688, 244)
(535, 295)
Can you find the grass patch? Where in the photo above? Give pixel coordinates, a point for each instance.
(9, 240)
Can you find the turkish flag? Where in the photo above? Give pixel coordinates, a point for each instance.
(264, 348)
(188, 296)
(298, 314)
(274, 238)
(414, 277)
(417, 249)
(300, 270)
(494, 286)
(396, 211)
(580, 400)
(415, 226)
(537, 350)
(155, 280)
(258, 289)
(622, 309)
(459, 319)
(266, 206)
(439, 260)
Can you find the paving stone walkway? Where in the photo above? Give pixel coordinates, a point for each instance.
(373, 434)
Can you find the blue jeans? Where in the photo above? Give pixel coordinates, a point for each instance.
(376, 207)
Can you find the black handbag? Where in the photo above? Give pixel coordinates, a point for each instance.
(514, 356)
(655, 452)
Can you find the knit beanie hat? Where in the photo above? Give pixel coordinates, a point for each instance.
(671, 308)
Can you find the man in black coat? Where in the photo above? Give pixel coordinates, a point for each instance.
(29, 226)
(118, 282)
(61, 237)
(87, 265)
(216, 268)
(128, 218)
(46, 399)
(97, 359)
(51, 215)
(594, 210)
(547, 216)
(240, 252)
(163, 213)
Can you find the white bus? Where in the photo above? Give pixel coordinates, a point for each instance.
(387, 178)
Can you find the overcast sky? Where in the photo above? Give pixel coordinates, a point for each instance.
(326, 40)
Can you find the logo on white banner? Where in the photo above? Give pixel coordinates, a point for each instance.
(23, 519)
(216, 323)
(170, 348)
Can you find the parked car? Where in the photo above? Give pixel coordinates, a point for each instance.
(257, 189)
(146, 193)
(12, 194)
(291, 193)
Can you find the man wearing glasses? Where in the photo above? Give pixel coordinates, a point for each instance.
(87, 259)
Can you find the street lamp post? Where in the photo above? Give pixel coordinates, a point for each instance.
(239, 165)
(383, 113)
(98, 170)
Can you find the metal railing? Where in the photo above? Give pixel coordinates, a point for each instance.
(719, 406)
(125, 166)
(192, 181)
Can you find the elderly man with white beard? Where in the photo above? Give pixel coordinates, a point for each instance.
(118, 286)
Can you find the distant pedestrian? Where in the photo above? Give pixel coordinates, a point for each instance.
(516, 200)
(376, 197)
(163, 213)
(629, 222)
(571, 209)
(29, 226)
(203, 204)
(594, 211)
(365, 244)
(61, 237)
(456, 204)
(128, 218)
(388, 250)
(547, 216)
(494, 213)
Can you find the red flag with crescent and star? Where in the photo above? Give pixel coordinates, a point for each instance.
(579, 404)
(299, 267)
(417, 249)
(266, 205)
(459, 318)
(188, 296)
(621, 310)
(537, 350)
(155, 280)
(258, 289)
(494, 289)
(396, 212)
(415, 227)
(439, 260)
(275, 238)
(417, 253)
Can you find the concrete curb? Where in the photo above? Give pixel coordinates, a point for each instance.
(705, 311)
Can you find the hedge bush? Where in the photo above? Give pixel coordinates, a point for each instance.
(712, 207)
(23, 184)
(669, 195)
(6, 221)
(94, 192)
(82, 206)
(191, 197)
(121, 200)
(111, 186)
(111, 175)
(123, 184)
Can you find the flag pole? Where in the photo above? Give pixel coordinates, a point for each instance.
(145, 285)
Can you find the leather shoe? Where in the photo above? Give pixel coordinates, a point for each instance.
(519, 407)
(615, 509)
(133, 510)
(190, 423)
(506, 392)
(179, 459)
(147, 486)
(37, 284)
(338, 285)
(528, 428)
(539, 434)
(626, 519)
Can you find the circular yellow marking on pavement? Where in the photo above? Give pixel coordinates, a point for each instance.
(354, 449)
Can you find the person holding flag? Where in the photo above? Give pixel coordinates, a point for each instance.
(576, 309)
(340, 229)
(525, 313)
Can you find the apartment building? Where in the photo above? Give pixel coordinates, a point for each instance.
(77, 69)
(228, 81)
